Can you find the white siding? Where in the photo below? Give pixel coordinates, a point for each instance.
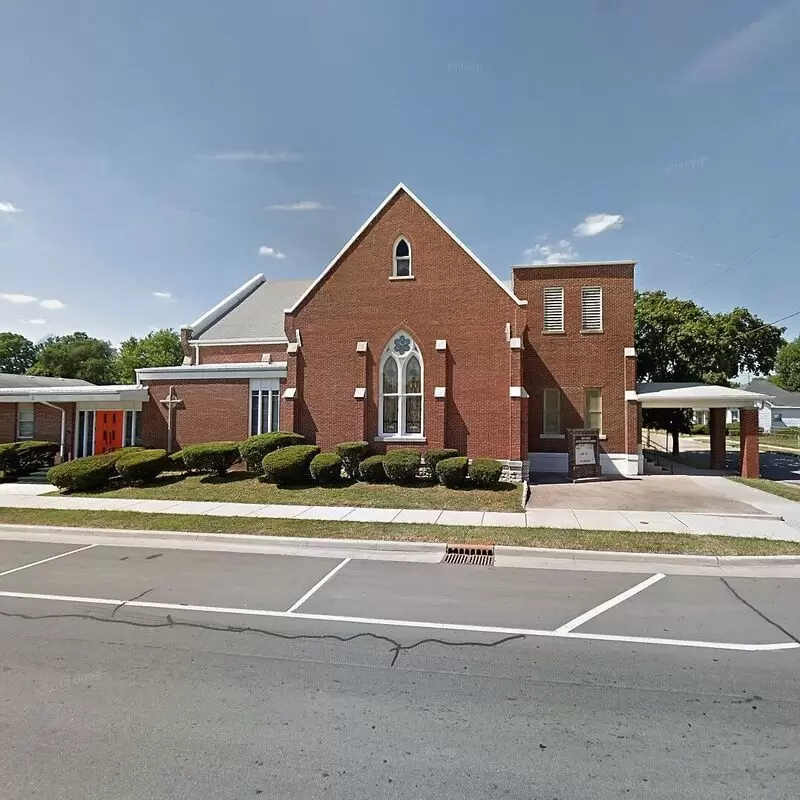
(765, 419)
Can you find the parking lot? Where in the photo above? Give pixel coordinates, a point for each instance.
(732, 613)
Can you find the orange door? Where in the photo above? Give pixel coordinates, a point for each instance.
(108, 431)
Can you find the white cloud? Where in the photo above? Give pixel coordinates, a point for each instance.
(598, 223)
(303, 205)
(726, 58)
(20, 299)
(559, 253)
(163, 295)
(51, 304)
(271, 252)
(9, 208)
(265, 156)
(37, 321)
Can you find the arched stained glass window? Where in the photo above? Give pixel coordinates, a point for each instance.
(401, 401)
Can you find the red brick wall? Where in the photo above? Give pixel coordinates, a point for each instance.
(241, 353)
(574, 361)
(450, 298)
(211, 411)
(46, 420)
(8, 422)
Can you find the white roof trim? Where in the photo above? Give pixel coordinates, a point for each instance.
(696, 395)
(255, 369)
(225, 305)
(401, 187)
(626, 262)
(67, 394)
(256, 340)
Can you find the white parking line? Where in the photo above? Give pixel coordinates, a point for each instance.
(318, 585)
(614, 601)
(45, 560)
(398, 623)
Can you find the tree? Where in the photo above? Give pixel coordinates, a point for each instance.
(679, 341)
(76, 355)
(158, 349)
(17, 354)
(787, 367)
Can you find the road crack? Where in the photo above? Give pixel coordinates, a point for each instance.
(760, 613)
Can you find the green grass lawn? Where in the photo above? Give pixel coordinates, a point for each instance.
(241, 487)
(620, 541)
(773, 487)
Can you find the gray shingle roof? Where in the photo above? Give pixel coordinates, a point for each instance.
(9, 381)
(782, 397)
(259, 315)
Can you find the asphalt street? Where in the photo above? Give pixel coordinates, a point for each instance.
(131, 672)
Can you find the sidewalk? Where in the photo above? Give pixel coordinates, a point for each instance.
(767, 526)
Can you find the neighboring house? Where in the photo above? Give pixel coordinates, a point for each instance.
(406, 339)
(701, 416)
(783, 411)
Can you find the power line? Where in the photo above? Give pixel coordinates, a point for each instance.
(769, 324)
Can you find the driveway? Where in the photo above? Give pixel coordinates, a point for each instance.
(681, 493)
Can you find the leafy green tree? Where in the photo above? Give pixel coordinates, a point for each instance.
(787, 367)
(680, 341)
(158, 349)
(17, 354)
(76, 355)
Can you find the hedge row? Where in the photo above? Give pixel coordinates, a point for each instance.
(453, 471)
(22, 458)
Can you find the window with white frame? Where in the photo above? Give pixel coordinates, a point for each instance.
(594, 409)
(264, 405)
(401, 404)
(402, 259)
(554, 309)
(84, 434)
(551, 404)
(25, 421)
(591, 308)
(132, 434)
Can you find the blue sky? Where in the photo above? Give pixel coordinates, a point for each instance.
(154, 156)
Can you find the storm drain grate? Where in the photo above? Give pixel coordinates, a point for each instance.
(475, 555)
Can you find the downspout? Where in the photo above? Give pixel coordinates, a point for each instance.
(62, 448)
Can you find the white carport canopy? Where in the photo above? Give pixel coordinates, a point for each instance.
(695, 395)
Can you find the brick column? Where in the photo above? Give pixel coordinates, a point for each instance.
(518, 411)
(716, 427)
(360, 393)
(436, 377)
(748, 443)
(633, 410)
(290, 400)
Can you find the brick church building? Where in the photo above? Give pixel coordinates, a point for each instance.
(407, 339)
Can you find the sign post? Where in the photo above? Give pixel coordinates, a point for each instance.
(583, 445)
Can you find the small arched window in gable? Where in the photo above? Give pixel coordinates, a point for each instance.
(402, 259)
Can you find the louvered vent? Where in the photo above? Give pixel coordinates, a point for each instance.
(592, 309)
(554, 309)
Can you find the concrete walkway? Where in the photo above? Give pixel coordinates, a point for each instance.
(766, 524)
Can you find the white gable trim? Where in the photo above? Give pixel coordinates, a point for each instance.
(401, 187)
(224, 306)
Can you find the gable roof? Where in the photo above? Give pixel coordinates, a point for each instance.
(11, 381)
(254, 312)
(402, 188)
(780, 397)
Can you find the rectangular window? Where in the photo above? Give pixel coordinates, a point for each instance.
(25, 423)
(554, 309)
(85, 439)
(133, 429)
(594, 409)
(552, 411)
(591, 308)
(264, 410)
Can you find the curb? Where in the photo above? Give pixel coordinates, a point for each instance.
(377, 545)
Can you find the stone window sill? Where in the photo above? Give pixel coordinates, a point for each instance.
(591, 331)
(552, 436)
(402, 439)
(553, 333)
(401, 277)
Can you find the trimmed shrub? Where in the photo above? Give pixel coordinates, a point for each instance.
(138, 469)
(9, 459)
(401, 465)
(452, 472)
(371, 470)
(699, 430)
(485, 472)
(256, 447)
(352, 454)
(326, 468)
(214, 457)
(176, 461)
(83, 474)
(288, 466)
(36, 455)
(433, 457)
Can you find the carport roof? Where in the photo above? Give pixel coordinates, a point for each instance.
(696, 395)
